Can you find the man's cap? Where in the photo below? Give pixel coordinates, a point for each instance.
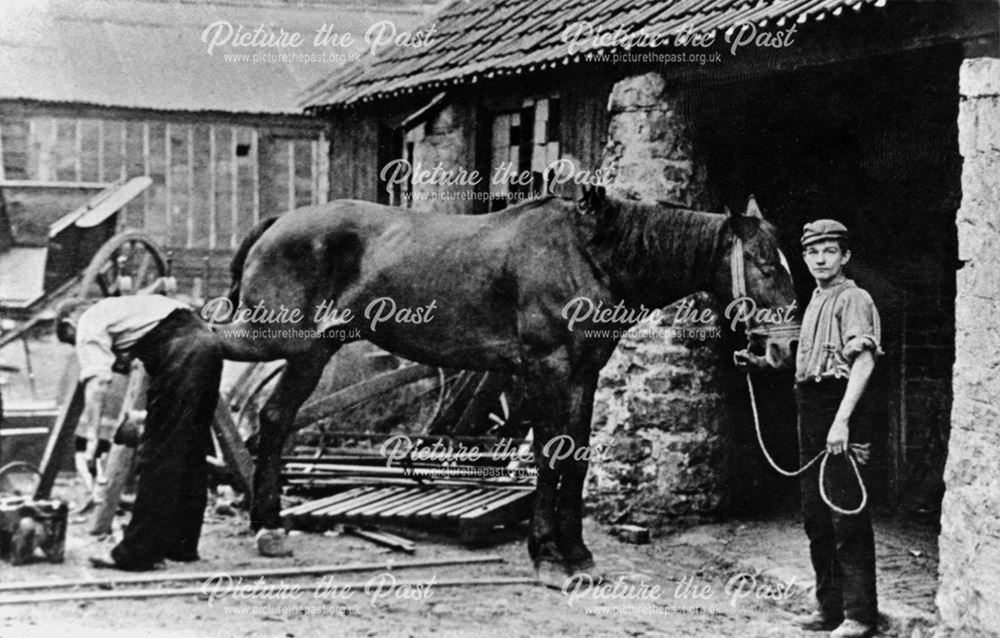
(822, 230)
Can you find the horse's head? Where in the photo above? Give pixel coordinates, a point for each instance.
(755, 276)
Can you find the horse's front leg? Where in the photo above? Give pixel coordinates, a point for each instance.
(575, 454)
(296, 383)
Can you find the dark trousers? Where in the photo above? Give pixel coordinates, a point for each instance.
(184, 363)
(842, 547)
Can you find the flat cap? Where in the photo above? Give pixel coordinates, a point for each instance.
(822, 230)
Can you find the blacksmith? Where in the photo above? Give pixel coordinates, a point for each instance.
(838, 344)
(184, 363)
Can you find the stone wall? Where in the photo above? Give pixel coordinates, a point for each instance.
(660, 409)
(445, 140)
(969, 596)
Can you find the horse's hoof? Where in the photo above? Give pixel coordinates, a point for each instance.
(271, 543)
(586, 569)
(550, 574)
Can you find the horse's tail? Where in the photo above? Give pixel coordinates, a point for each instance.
(236, 265)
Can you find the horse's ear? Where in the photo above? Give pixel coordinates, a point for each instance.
(753, 210)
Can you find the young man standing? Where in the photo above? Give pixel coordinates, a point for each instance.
(838, 344)
(184, 363)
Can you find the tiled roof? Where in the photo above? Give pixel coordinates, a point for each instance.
(149, 53)
(477, 39)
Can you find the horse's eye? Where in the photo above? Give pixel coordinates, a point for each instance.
(767, 270)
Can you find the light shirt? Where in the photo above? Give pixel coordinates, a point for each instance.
(114, 325)
(839, 323)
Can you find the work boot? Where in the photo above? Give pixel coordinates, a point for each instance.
(853, 629)
(271, 542)
(817, 621)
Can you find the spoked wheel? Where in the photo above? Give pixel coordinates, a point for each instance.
(125, 264)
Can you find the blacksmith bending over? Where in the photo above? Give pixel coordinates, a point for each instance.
(838, 344)
(184, 363)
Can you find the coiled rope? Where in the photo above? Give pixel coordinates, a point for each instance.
(824, 455)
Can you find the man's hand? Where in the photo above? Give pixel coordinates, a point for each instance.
(745, 359)
(836, 440)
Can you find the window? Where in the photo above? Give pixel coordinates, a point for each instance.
(524, 144)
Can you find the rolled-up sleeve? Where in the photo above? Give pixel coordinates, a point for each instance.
(93, 350)
(860, 326)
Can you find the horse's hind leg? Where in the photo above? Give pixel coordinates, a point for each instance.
(569, 514)
(296, 383)
(546, 401)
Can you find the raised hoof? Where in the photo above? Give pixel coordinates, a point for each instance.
(271, 543)
(550, 574)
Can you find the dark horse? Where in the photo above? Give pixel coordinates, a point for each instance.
(484, 292)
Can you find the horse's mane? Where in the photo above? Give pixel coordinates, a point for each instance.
(642, 234)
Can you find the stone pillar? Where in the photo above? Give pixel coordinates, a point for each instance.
(660, 414)
(649, 151)
(969, 594)
(444, 141)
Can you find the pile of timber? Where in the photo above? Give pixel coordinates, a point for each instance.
(464, 500)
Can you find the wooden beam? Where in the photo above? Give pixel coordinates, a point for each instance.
(234, 210)
(190, 188)
(1, 153)
(211, 186)
(255, 167)
(291, 175)
(100, 149)
(60, 437)
(145, 171)
(324, 168)
(167, 180)
(295, 570)
(78, 150)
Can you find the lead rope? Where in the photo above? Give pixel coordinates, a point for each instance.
(737, 270)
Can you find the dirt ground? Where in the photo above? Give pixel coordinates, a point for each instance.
(693, 599)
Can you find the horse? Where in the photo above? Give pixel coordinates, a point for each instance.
(483, 292)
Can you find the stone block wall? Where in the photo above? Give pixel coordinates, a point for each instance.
(969, 595)
(662, 416)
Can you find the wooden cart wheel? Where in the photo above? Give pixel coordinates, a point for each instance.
(123, 265)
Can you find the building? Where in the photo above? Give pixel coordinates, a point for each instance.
(880, 114)
(99, 91)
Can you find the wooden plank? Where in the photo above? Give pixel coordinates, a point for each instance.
(119, 463)
(234, 451)
(94, 214)
(168, 233)
(255, 167)
(452, 511)
(430, 496)
(204, 189)
(2, 175)
(310, 506)
(267, 572)
(100, 149)
(78, 150)
(60, 437)
(457, 497)
(291, 175)
(168, 592)
(211, 187)
(340, 508)
(487, 508)
(493, 497)
(234, 204)
(405, 496)
(360, 392)
(189, 243)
